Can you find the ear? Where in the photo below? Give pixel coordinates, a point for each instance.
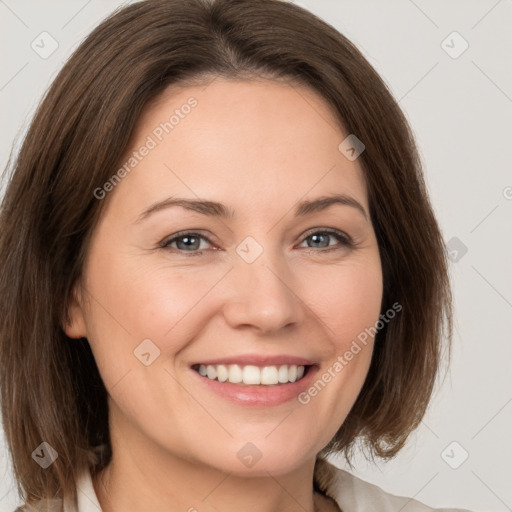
(74, 323)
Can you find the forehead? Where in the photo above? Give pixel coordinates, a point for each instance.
(244, 142)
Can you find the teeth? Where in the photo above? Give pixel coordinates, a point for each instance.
(252, 375)
(234, 374)
(269, 375)
(282, 375)
(211, 372)
(222, 373)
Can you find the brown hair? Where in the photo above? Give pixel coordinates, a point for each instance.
(50, 386)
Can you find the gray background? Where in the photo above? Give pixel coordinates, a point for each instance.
(461, 112)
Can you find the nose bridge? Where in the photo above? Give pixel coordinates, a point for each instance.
(263, 294)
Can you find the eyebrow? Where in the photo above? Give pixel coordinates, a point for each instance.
(215, 209)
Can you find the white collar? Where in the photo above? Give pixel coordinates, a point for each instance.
(86, 496)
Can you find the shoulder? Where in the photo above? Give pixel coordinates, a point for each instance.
(352, 493)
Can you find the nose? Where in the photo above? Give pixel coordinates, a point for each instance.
(262, 297)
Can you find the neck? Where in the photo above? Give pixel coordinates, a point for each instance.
(140, 477)
(194, 489)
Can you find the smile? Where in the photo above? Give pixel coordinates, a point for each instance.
(251, 375)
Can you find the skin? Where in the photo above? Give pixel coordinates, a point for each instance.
(259, 147)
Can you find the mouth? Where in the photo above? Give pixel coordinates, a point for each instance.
(253, 375)
(255, 380)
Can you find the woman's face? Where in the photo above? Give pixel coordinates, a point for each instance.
(254, 289)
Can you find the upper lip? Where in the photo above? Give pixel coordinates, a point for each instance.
(258, 360)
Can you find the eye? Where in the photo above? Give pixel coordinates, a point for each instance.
(320, 239)
(187, 241)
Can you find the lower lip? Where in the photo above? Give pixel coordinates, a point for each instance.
(261, 395)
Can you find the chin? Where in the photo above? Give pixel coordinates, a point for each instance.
(259, 457)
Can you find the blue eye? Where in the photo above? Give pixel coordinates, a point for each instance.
(190, 241)
(186, 241)
(320, 239)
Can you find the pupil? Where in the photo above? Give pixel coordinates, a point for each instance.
(189, 241)
(316, 237)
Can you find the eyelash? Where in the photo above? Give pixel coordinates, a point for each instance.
(343, 238)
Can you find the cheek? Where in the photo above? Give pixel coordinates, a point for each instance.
(348, 306)
(348, 302)
(172, 303)
(133, 300)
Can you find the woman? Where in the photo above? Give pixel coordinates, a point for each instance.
(219, 266)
